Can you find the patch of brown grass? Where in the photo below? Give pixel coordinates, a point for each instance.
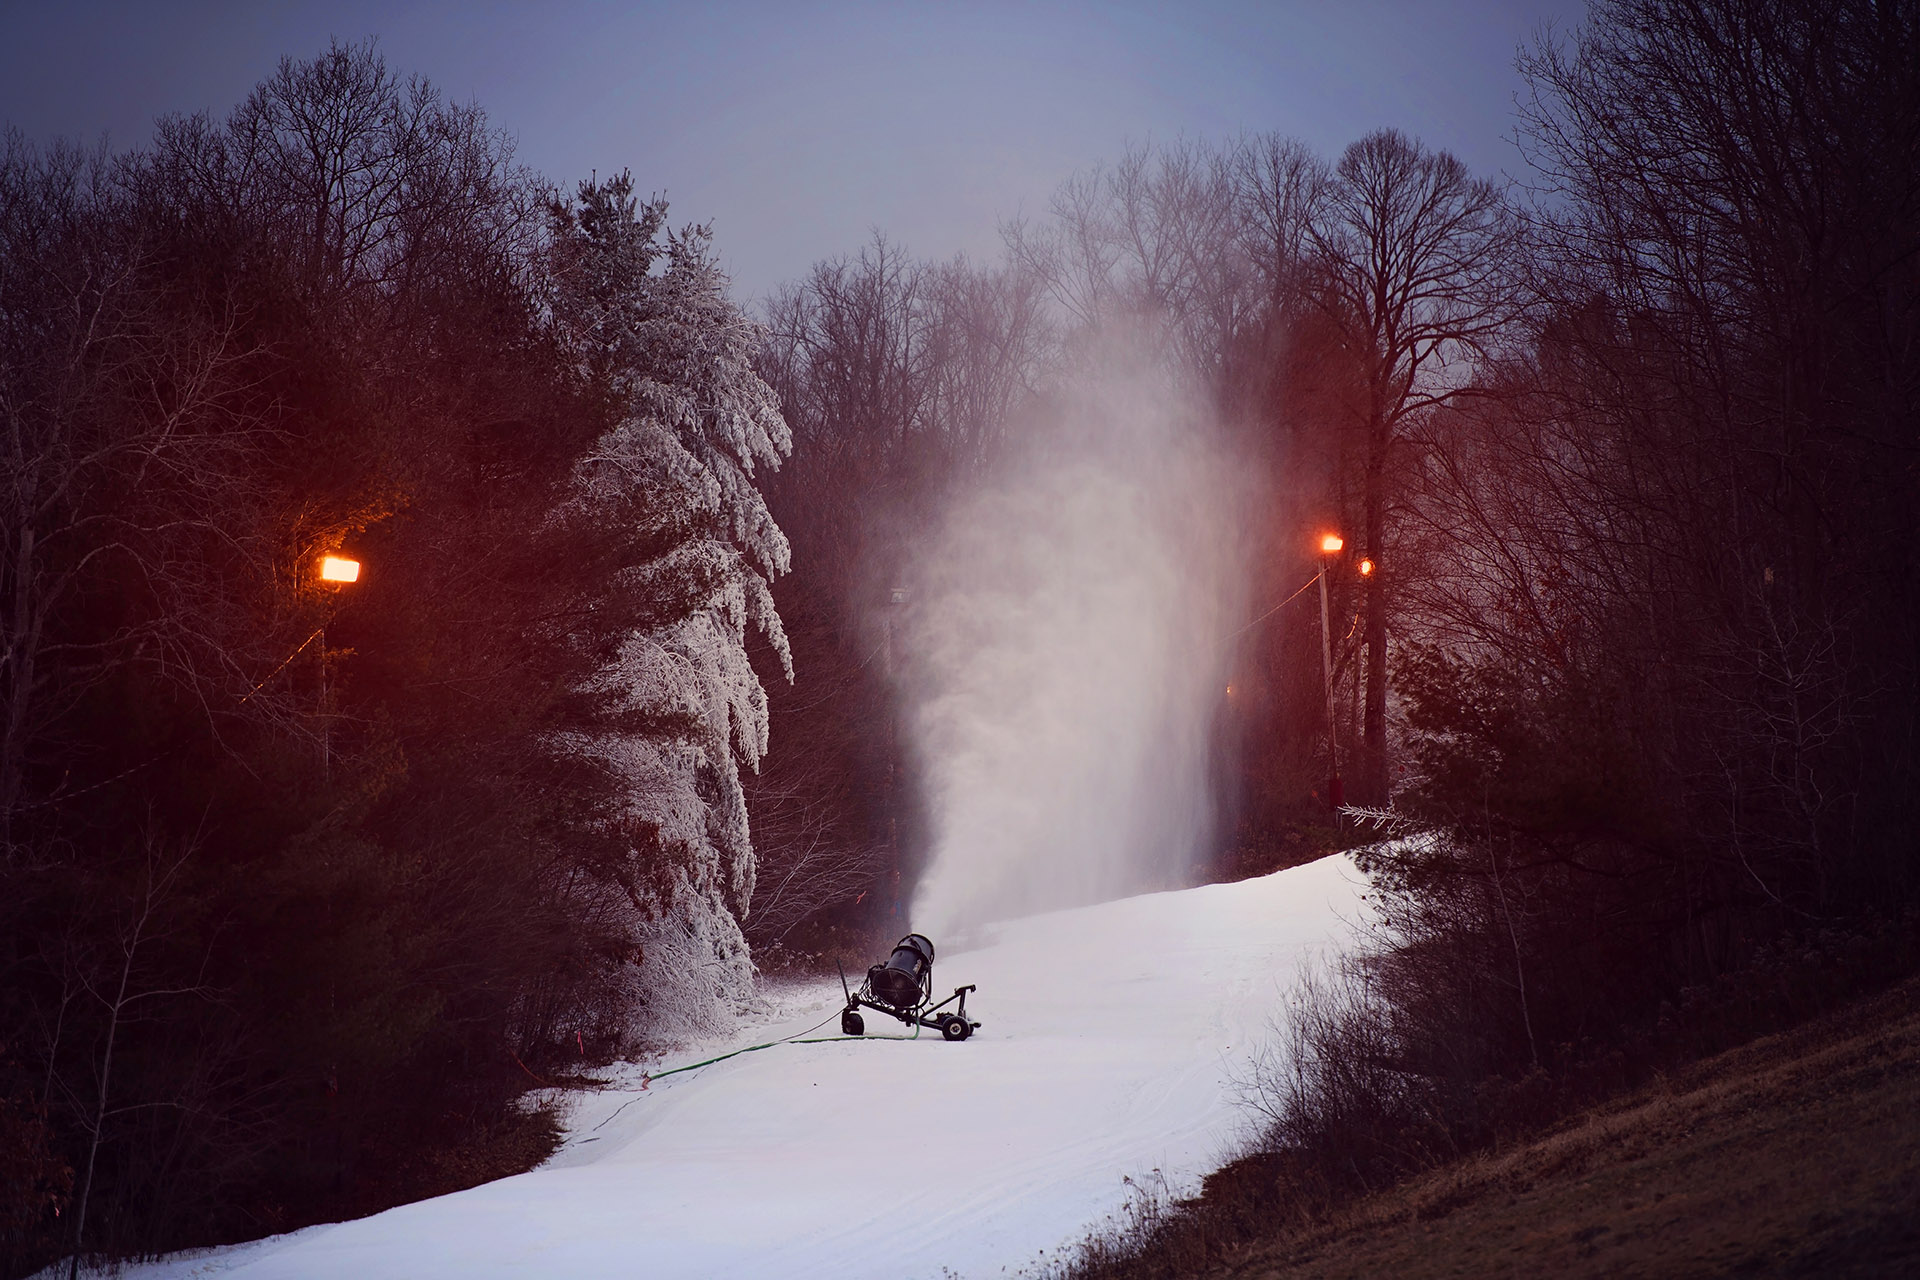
(1795, 1154)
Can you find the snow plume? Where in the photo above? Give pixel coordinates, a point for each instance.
(1066, 648)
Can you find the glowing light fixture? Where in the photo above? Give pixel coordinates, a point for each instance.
(339, 569)
(1366, 567)
(1331, 543)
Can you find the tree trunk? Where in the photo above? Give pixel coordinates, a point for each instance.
(1372, 779)
(22, 642)
(100, 1108)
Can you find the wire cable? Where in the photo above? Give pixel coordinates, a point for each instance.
(1269, 613)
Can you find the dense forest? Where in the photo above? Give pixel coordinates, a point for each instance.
(308, 880)
(308, 883)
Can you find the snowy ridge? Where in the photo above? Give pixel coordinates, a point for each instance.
(1111, 1037)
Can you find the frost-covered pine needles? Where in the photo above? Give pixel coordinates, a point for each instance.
(667, 496)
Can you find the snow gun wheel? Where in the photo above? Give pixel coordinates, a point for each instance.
(852, 1024)
(956, 1028)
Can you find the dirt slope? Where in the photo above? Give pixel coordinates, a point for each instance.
(1797, 1155)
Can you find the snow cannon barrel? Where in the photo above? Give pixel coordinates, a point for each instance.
(901, 981)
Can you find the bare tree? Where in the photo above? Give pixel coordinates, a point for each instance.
(1277, 183)
(987, 342)
(126, 467)
(1720, 416)
(380, 182)
(123, 982)
(1159, 239)
(1416, 259)
(813, 854)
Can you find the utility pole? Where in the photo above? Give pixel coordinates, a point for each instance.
(1329, 547)
(336, 570)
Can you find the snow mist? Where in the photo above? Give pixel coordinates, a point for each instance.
(1066, 649)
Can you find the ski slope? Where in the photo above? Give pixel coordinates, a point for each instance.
(1110, 1041)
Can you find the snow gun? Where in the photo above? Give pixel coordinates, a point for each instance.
(902, 987)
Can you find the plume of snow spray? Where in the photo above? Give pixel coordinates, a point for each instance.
(1066, 652)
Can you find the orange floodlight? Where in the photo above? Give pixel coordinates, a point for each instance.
(1332, 543)
(339, 569)
(1366, 567)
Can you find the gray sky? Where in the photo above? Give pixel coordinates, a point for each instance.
(795, 127)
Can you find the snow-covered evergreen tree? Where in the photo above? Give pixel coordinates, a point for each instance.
(682, 553)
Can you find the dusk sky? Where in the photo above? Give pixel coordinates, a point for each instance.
(798, 128)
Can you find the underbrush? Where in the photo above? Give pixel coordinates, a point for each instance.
(470, 1151)
(1155, 1235)
(1262, 850)
(812, 949)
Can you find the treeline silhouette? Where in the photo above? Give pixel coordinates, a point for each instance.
(305, 882)
(1650, 591)
(307, 885)
(1662, 668)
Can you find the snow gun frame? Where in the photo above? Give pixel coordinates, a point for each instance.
(902, 987)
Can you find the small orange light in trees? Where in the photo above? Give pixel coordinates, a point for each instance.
(339, 569)
(1366, 567)
(1332, 543)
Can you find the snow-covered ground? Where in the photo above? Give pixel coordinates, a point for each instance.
(1112, 1036)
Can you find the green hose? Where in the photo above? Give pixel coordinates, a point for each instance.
(648, 1076)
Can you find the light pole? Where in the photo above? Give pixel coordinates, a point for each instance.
(1329, 547)
(338, 570)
